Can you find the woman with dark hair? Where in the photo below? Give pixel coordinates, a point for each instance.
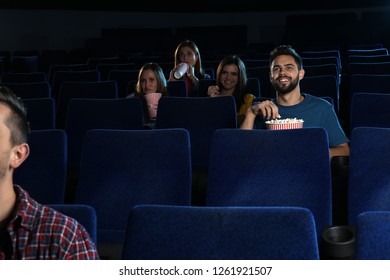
(232, 80)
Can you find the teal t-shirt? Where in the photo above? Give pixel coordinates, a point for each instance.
(316, 112)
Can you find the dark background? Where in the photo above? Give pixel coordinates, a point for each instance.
(192, 6)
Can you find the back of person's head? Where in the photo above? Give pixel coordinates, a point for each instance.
(160, 77)
(17, 120)
(286, 50)
(199, 71)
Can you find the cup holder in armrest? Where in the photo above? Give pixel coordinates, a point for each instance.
(338, 243)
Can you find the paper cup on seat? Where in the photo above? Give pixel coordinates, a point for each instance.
(152, 103)
(288, 123)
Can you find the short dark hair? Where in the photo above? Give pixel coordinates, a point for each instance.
(17, 121)
(286, 50)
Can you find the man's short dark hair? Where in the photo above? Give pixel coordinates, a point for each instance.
(286, 50)
(17, 121)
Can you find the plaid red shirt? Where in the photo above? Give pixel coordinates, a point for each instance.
(42, 233)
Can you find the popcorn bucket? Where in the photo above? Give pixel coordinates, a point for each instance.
(152, 103)
(284, 124)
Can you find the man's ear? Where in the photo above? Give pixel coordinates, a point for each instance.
(19, 155)
(301, 74)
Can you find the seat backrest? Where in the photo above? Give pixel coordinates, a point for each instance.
(262, 73)
(94, 61)
(370, 51)
(105, 68)
(210, 72)
(321, 53)
(329, 99)
(72, 76)
(69, 90)
(322, 70)
(85, 113)
(177, 88)
(29, 77)
(372, 236)
(324, 53)
(122, 78)
(203, 86)
(254, 87)
(50, 57)
(201, 117)
(364, 46)
(325, 85)
(156, 232)
(367, 83)
(312, 61)
(43, 174)
(65, 67)
(369, 177)
(41, 113)
(30, 90)
(373, 68)
(84, 214)
(370, 109)
(272, 168)
(24, 63)
(368, 58)
(123, 168)
(256, 62)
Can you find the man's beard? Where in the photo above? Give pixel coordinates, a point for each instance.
(283, 89)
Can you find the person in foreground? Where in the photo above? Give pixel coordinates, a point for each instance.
(286, 70)
(29, 230)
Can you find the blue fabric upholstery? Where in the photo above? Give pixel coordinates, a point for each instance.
(69, 90)
(177, 88)
(326, 85)
(86, 113)
(43, 174)
(372, 236)
(28, 77)
(203, 86)
(30, 90)
(369, 176)
(220, 233)
(65, 67)
(123, 78)
(72, 76)
(272, 168)
(123, 168)
(106, 68)
(41, 112)
(253, 86)
(370, 109)
(24, 63)
(368, 83)
(84, 214)
(93, 62)
(201, 117)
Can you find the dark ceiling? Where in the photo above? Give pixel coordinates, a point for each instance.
(192, 6)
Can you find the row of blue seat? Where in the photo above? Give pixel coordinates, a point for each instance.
(46, 113)
(120, 169)
(170, 232)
